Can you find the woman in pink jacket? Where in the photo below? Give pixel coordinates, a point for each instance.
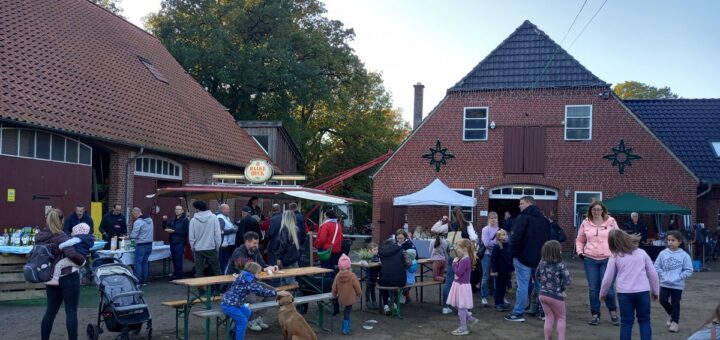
(592, 246)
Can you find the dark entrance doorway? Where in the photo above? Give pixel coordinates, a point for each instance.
(500, 206)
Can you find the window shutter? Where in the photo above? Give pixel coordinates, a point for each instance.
(513, 150)
(534, 150)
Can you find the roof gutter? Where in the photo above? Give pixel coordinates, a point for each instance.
(709, 188)
(127, 180)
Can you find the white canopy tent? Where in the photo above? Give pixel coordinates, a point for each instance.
(437, 193)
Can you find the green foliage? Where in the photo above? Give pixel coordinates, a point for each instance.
(364, 254)
(636, 90)
(110, 5)
(283, 60)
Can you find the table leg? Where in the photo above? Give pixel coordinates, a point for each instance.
(186, 314)
(208, 305)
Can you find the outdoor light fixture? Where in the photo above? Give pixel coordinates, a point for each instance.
(482, 190)
(492, 124)
(567, 193)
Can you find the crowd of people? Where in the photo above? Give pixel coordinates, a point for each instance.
(619, 273)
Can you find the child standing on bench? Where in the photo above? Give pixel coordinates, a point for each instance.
(373, 274)
(346, 288)
(234, 302)
(460, 295)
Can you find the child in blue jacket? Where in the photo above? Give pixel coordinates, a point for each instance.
(233, 303)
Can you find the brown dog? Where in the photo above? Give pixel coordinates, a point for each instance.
(294, 326)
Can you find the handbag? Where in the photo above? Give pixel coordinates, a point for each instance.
(451, 244)
(481, 248)
(324, 255)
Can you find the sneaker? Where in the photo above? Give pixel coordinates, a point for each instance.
(500, 308)
(445, 310)
(402, 299)
(386, 309)
(460, 331)
(514, 318)
(253, 326)
(669, 320)
(506, 301)
(595, 320)
(260, 322)
(540, 316)
(674, 327)
(469, 313)
(484, 302)
(615, 320)
(472, 321)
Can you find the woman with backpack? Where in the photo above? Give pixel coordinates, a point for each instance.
(68, 290)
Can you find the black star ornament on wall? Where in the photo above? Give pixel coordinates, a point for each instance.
(622, 156)
(438, 156)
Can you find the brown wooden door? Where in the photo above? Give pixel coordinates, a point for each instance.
(144, 186)
(513, 147)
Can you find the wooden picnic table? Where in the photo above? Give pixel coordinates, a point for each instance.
(208, 281)
(425, 267)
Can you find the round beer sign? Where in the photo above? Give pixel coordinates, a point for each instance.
(258, 171)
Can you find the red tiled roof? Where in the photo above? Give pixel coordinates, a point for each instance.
(69, 65)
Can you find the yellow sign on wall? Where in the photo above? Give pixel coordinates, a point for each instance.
(11, 195)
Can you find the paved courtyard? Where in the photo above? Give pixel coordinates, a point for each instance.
(21, 320)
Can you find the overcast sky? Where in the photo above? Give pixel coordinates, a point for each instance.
(659, 42)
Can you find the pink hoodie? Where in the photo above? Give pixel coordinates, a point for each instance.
(592, 240)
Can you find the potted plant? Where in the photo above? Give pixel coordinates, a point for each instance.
(365, 256)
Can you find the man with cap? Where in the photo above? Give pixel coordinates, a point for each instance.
(246, 224)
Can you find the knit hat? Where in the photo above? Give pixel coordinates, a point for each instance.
(82, 228)
(344, 262)
(411, 254)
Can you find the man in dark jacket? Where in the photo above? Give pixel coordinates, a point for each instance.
(392, 272)
(530, 232)
(636, 226)
(78, 217)
(113, 224)
(274, 233)
(246, 224)
(247, 252)
(178, 230)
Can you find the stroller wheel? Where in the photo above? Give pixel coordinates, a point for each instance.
(92, 332)
(148, 333)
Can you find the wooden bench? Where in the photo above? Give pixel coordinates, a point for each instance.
(222, 319)
(416, 285)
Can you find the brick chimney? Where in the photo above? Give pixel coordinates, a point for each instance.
(418, 105)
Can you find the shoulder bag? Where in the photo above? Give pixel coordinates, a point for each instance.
(325, 254)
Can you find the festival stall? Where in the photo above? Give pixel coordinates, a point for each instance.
(438, 194)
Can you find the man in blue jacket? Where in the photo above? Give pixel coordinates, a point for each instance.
(178, 230)
(80, 216)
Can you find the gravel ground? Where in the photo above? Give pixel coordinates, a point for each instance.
(21, 320)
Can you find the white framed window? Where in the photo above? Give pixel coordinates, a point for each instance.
(475, 123)
(578, 122)
(518, 191)
(467, 211)
(47, 146)
(716, 148)
(158, 167)
(583, 199)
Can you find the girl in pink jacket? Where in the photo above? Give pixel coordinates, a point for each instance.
(592, 246)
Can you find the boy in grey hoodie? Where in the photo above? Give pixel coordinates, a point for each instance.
(142, 233)
(205, 239)
(673, 266)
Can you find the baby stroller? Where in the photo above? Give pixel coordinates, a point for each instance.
(122, 306)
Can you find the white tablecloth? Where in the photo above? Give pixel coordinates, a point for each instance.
(128, 256)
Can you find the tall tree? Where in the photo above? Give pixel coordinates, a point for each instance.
(636, 90)
(283, 60)
(110, 5)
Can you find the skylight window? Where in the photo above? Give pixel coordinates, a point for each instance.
(716, 147)
(149, 65)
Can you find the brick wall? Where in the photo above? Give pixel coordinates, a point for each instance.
(709, 209)
(569, 165)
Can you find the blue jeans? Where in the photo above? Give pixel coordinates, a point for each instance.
(522, 274)
(449, 277)
(594, 271)
(485, 276)
(177, 251)
(631, 303)
(240, 315)
(142, 265)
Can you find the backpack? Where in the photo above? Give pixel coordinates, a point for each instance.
(39, 267)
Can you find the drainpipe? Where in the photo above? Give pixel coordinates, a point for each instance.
(706, 191)
(127, 180)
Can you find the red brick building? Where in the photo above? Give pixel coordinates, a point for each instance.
(93, 108)
(530, 119)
